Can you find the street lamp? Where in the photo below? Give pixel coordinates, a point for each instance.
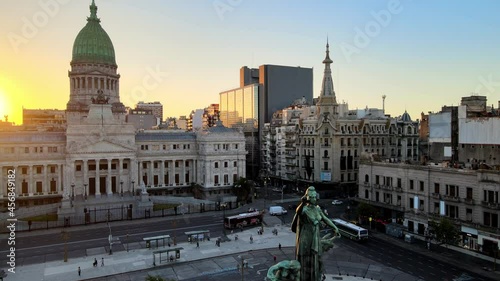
(85, 191)
(72, 192)
(127, 241)
(121, 188)
(133, 190)
(223, 206)
(110, 238)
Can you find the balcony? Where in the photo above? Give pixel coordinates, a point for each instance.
(490, 205)
(451, 198)
(469, 201)
(436, 196)
(398, 189)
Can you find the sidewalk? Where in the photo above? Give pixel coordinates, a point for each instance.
(464, 261)
(139, 257)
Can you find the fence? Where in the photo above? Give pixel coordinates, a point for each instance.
(120, 213)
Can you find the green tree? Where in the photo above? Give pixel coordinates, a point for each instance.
(196, 190)
(243, 189)
(445, 232)
(366, 210)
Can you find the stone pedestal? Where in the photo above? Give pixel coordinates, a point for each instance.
(145, 201)
(66, 208)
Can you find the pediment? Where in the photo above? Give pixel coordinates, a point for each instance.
(103, 146)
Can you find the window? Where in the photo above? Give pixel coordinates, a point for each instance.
(38, 170)
(235, 164)
(144, 165)
(78, 168)
(24, 171)
(225, 164)
(216, 179)
(411, 184)
(436, 188)
(490, 219)
(236, 146)
(39, 186)
(469, 192)
(225, 146)
(377, 179)
(411, 201)
(177, 164)
(26, 150)
(155, 165)
(452, 190)
(125, 166)
(421, 185)
(325, 166)
(399, 182)
(367, 178)
(366, 194)
(216, 165)
(52, 169)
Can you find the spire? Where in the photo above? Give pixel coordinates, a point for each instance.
(93, 13)
(327, 84)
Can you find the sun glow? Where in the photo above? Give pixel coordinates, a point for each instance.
(3, 104)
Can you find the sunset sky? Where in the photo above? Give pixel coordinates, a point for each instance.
(420, 54)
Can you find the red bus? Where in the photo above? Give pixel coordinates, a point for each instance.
(242, 220)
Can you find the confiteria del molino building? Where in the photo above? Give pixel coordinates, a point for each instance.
(99, 156)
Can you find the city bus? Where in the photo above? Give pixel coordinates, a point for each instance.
(242, 220)
(350, 230)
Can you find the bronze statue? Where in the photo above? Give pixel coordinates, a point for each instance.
(284, 271)
(309, 245)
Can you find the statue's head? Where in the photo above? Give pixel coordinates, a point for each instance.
(311, 195)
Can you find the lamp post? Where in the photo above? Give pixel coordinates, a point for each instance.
(121, 188)
(72, 193)
(133, 190)
(223, 206)
(127, 242)
(85, 191)
(110, 238)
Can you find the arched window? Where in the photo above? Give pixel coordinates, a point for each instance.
(367, 178)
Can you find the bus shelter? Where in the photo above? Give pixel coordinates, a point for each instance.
(156, 239)
(200, 235)
(168, 255)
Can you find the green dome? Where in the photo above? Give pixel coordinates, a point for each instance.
(92, 44)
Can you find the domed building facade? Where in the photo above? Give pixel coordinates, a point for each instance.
(101, 160)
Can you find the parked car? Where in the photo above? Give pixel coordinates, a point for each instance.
(337, 202)
(277, 211)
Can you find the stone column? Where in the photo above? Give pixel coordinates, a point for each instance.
(72, 177)
(85, 177)
(139, 179)
(161, 178)
(45, 186)
(30, 181)
(59, 184)
(172, 173)
(183, 176)
(120, 178)
(109, 191)
(97, 179)
(150, 173)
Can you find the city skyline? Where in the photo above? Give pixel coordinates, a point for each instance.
(421, 55)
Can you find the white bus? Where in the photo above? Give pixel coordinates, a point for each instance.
(350, 230)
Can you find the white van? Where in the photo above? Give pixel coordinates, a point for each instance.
(277, 211)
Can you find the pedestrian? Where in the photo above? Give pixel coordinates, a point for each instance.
(102, 261)
(79, 272)
(236, 237)
(279, 246)
(197, 244)
(274, 259)
(95, 262)
(251, 239)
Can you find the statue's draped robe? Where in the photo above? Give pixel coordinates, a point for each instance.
(306, 224)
